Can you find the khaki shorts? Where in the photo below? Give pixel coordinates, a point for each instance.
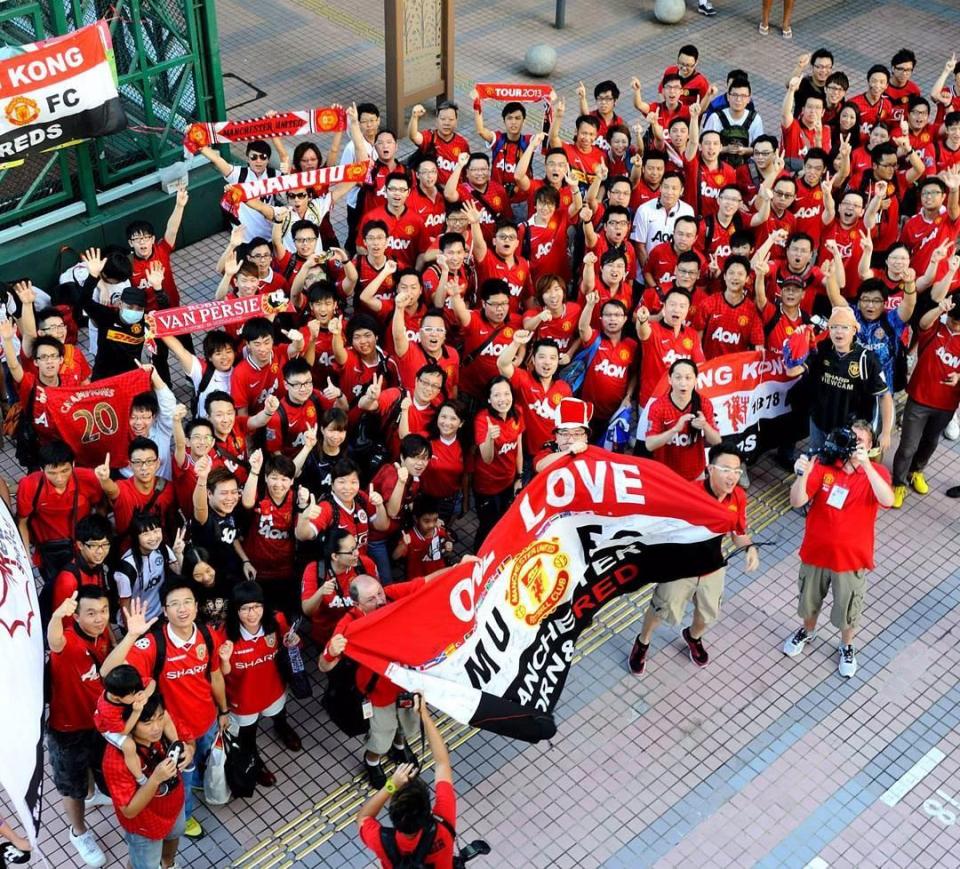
(849, 588)
(670, 599)
(383, 727)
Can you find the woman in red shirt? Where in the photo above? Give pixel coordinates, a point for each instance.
(496, 475)
(250, 663)
(443, 478)
(325, 603)
(269, 540)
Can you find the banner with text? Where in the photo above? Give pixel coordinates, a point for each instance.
(209, 315)
(329, 119)
(494, 640)
(257, 187)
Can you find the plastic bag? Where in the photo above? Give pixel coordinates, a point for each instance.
(215, 790)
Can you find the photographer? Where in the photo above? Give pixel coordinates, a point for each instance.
(844, 489)
(419, 829)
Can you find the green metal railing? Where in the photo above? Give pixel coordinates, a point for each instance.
(168, 68)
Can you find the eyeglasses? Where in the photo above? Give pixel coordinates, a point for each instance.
(887, 165)
(304, 239)
(143, 463)
(903, 69)
(433, 330)
(347, 551)
(757, 153)
(497, 304)
(723, 469)
(510, 237)
(140, 238)
(784, 194)
(398, 190)
(620, 222)
(98, 545)
(825, 65)
(430, 384)
(47, 358)
(258, 255)
(248, 608)
(258, 156)
(180, 604)
(299, 384)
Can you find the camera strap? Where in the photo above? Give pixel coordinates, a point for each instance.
(740, 549)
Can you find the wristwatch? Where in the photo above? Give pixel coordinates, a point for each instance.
(390, 786)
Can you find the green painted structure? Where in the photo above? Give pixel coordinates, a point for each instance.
(168, 68)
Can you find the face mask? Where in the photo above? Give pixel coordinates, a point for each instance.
(130, 317)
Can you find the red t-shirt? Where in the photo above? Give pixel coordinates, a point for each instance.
(661, 350)
(782, 330)
(923, 237)
(562, 329)
(880, 112)
(250, 384)
(808, 210)
(334, 605)
(42, 423)
(407, 237)
(285, 430)
(158, 817)
(75, 679)
(356, 374)
(108, 716)
(183, 681)
(822, 545)
(443, 477)
(416, 357)
(797, 139)
(482, 365)
(516, 276)
(355, 521)
(547, 246)
(130, 499)
(851, 249)
(433, 212)
(937, 357)
(538, 407)
(161, 254)
(269, 543)
(425, 554)
(694, 86)
(384, 482)
(702, 185)
(441, 852)
(492, 203)
(605, 382)
(685, 452)
(366, 272)
(323, 361)
(53, 517)
(69, 581)
(491, 478)
(446, 152)
(899, 97)
(254, 682)
(583, 165)
(727, 328)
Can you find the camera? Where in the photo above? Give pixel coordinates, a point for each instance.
(405, 700)
(175, 751)
(840, 445)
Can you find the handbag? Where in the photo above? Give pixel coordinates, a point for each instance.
(215, 789)
(240, 767)
(343, 700)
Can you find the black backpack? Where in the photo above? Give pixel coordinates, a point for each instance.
(159, 634)
(735, 134)
(26, 442)
(343, 700)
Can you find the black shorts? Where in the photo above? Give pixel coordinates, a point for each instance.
(72, 757)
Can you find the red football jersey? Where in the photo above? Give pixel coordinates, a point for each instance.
(75, 679)
(808, 210)
(269, 542)
(685, 452)
(880, 112)
(702, 185)
(728, 328)
(254, 682)
(492, 203)
(660, 351)
(407, 236)
(538, 407)
(355, 520)
(562, 329)
(797, 139)
(937, 357)
(517, 277)
(334, 605)
(546, 247)
(250, 384)
(480, 365)
(608, 375)
(443, 477)
(491, 478)
(433, 212)
(445, 151)
(161, 254)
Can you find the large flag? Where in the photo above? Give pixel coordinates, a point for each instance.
(490, 643)
(58, 92)
(94, 419)
(21, 679)
(751, 397)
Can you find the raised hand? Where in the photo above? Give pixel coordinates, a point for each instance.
(256, 460)
(135, 617)
(103, 471)
(93, 261)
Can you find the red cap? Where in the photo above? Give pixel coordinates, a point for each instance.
(573, 413)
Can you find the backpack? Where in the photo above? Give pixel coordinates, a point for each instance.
(285, 419)
(500, 143)
(735, 134)
(205, 380)
(240, 767)
(25, 440)
(368, 448)
(343, 700)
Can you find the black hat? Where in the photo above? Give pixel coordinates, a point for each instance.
(134, 296)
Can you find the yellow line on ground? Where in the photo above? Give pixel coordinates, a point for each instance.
(336, 811)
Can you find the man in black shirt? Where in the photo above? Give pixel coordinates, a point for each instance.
(846, 383)
(214, 525)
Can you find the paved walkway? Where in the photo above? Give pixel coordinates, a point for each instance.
(756, 759)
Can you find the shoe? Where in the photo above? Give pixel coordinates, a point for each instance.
(952, 431)
(899, 494)
(637, 662)
(706, 8)
(848, 661)
(953, 492)
(87, 848)
(698, 654)
(795, 642)
(11, 855)
(192, 829)
(97, 798)
(919, 483)
(403, 755)
(266, 778)
(288, 736)
(376, 776)
(764, 29)
(788, 33)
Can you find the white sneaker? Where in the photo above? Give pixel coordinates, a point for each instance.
(705, 7)
(87, 848)
(97, 798)
(848, 661)
(795, 642)
(952, 431)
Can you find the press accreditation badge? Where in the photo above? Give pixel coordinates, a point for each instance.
(837, 497)
(367, 709)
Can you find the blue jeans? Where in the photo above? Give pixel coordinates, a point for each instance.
(146, 853)
(191, 778)
(379, 551)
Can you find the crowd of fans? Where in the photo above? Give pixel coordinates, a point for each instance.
(441, 311)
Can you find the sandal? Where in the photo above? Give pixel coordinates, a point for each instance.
(788, 33)
(764, 29)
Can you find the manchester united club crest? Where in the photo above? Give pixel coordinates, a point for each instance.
(538, 581)
(508, 332)
(270, 640)
(567, 326)
(828, 479)
(853, 369)
(555, 398)
(687, 343)
(788, 330)
(21, 111)
(742, 321)
(202, 651)
(623, 354)
(718, 178)
(409, 229)
(817, 195)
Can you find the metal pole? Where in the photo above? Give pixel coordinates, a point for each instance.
(561, 16)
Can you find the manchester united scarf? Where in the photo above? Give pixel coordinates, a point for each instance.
(268, 186)
(58, 92)
(207, 315)
(329, 119)
(750, 394)
(94, 420)
(519, 93)
(490, 643)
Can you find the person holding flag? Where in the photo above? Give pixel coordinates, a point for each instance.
(670, 599)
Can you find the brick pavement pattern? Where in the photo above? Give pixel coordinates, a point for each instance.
(757, 759)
